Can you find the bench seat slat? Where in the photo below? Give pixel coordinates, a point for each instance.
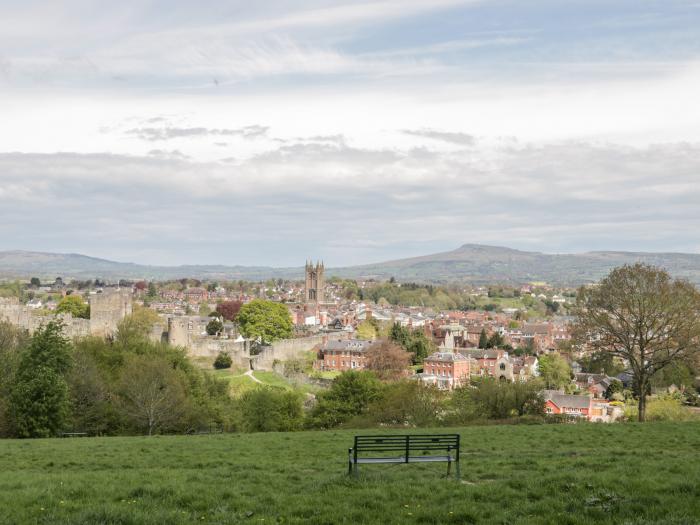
(428, 459)
(393, 459)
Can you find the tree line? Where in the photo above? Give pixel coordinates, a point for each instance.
(127, 384)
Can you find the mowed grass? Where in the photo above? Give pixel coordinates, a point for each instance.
(559, 474)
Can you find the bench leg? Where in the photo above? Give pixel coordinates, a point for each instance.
(457, 475)
(449, 464)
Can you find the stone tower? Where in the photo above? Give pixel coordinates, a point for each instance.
(107, 309)
(314, 284)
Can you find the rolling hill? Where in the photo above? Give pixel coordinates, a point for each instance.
(471, 263)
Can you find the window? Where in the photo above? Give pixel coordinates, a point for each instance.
(503, 366)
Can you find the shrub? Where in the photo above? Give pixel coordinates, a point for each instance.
(269, 409)
(350, 395)
(407, 403)
(663, 408)
(223, 360)
(214, 327)
(489, 398)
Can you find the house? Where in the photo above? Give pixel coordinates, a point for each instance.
(446, 369)
(492, 362)
(195, 295)
(595, 384)
(338, 354)
(567, 404)
(595, 410)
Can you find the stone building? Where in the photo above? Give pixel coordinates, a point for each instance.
(314, 283)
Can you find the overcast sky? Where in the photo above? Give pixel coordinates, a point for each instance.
(267, 132)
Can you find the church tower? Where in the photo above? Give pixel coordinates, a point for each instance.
(314, 284)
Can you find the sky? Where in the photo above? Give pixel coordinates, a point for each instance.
(270, 132)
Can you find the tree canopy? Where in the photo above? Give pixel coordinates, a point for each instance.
(642, 315)
(266, 321)
(74, 305)
(39, 397)
(554, 371)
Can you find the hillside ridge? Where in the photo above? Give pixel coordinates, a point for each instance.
(469, 263)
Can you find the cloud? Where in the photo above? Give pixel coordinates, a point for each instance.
(461, 139)
(277, 207)
(168, 133)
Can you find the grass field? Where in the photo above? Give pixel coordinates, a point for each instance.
(559, 474)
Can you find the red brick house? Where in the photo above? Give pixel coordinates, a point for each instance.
(342, 355)
(195, 295)
(447, 370)
(568, 404)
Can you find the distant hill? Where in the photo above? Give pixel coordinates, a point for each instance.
(488, 264)
(24, 264)
(472, 263)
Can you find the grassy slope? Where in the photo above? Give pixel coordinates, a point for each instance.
(511, 474)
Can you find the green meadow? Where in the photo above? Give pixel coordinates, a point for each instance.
(559, 474)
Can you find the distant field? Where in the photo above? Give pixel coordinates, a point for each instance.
(559, 474)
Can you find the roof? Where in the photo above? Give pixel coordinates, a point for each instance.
(446, 356)
(480, 353)
(567, 400)
(356, 345)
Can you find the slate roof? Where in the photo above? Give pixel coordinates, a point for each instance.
(355, 345)
(567, 400)
(446, 356)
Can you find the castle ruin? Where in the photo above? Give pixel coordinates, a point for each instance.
(107, 309)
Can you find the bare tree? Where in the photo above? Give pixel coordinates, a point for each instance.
(642, 315)
(151, 393)
(387, 359)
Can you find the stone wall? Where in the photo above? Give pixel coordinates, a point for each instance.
(23, 317)
(210, 347)
(285, 350)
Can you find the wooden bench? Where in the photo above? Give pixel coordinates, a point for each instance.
(73, 434)
(417, 448)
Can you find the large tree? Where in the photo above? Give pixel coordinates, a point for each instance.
(229, 309)
(554, 371)
(39, 401)
(265, 321)
(642, 315)
(388, 360)
(151, 393)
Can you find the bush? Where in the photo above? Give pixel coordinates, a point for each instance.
(489, 398)
(223, 360)
(406, 403)
(214, 327)
(350, 395)
(269, 409)
(663, 408)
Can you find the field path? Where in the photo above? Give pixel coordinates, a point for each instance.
(249, 373)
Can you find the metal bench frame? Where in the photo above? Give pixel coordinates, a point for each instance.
(413, 449)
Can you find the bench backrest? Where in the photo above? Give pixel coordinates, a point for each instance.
(406, 443)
